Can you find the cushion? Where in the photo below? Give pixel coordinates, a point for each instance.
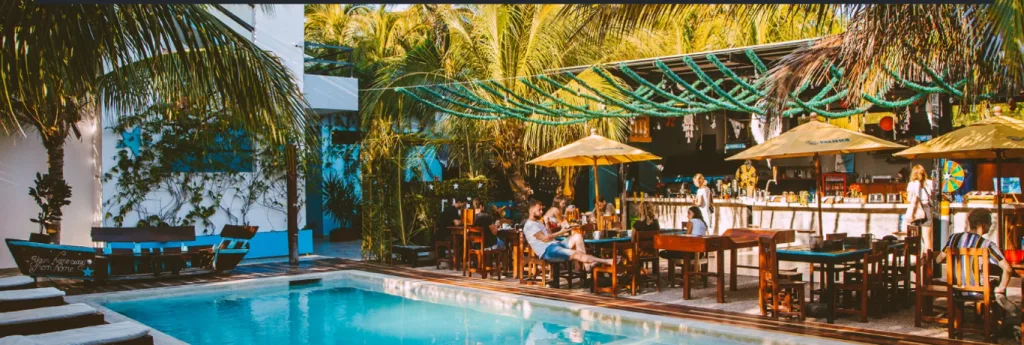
(30, 294)
(94, 335)
(15, 281)
(45, 314)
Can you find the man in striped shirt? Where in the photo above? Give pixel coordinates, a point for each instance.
(979, 221)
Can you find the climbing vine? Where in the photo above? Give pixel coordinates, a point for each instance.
(175, 169)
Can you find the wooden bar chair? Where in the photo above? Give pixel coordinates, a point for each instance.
(777, 297)
(481, 259)
(468, 217)
(968, 273)
(927, 289)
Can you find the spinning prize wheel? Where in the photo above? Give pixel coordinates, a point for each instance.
(952, 175)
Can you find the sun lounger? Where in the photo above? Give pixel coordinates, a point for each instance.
(48, 319)
(12, 300)
(17, 283)
(121, 333)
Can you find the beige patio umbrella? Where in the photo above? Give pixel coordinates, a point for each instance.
(994, 138)
(813, 139)
(593, 150)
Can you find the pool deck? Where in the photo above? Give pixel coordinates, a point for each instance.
(740, 311)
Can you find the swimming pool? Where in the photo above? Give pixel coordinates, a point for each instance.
(354, 307)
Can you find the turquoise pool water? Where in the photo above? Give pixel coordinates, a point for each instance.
(384, 312)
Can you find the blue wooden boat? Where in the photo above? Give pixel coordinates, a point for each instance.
(134, 253)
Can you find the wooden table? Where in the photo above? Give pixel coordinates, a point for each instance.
(732, 240)
(589, 242)
(829, 260)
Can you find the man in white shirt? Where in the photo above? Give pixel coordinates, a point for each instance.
(545, 245)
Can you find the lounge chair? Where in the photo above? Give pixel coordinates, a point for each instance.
(17, 283)
(13, 300)
(48, 319)
(121, 333)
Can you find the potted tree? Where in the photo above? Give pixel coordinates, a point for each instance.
(51, 194)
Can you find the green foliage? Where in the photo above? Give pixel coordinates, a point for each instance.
(51, 195)
(341, 200)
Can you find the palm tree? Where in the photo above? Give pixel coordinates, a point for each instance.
(61, 64)
(983, 43)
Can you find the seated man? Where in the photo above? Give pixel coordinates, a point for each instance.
(979, 221)
(451, 216)
(543, 243)
(484, 220)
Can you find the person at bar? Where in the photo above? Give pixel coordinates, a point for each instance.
(604, 208)
(919, 197)
(979, 222)
(451, 216)
(704, 199)
(484, 220)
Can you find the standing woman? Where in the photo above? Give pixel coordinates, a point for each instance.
(704, 200)
(919, 198)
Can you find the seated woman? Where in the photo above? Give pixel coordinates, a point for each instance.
(647, 220)
(695, 226)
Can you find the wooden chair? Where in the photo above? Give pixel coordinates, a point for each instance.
(968, 273)
(487, 260)
(900, 268)
(619, 270)
(927, 288)
(819, 292)
(865, 283)
(609, 222)
(444, 252)
(777, 296)
(643, 254)
(468, 217)
(533, 270)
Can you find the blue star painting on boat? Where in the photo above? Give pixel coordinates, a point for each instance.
(87, 272)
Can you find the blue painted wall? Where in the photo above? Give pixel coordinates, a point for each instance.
(264, 245)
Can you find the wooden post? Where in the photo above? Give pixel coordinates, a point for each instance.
(999, 200)
(818, 193)
(597, 215)
(293, 205)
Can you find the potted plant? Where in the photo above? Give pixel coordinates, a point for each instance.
(51, 195)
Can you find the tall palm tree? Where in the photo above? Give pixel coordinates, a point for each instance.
(983, 43)
(60, 64)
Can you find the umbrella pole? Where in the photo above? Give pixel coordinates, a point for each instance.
(597, 215)
(818, 193)
(999, 199)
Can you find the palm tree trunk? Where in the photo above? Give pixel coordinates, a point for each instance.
(520, 191)
(55, 168)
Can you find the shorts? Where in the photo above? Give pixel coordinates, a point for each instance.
(497, 246)
(558, 252)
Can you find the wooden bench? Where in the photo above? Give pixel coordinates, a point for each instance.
(165, 248)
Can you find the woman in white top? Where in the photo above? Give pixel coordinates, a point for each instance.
(919, 198)
(695, 225)
(704, 200)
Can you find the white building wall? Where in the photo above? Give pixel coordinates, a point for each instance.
(279, 31)
(21, 157)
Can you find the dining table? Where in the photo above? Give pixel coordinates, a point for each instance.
(731, 240)
(828, 259)
(592, 244)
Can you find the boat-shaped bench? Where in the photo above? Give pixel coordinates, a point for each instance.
(134, 253)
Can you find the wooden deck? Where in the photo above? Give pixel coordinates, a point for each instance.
(255, 271)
